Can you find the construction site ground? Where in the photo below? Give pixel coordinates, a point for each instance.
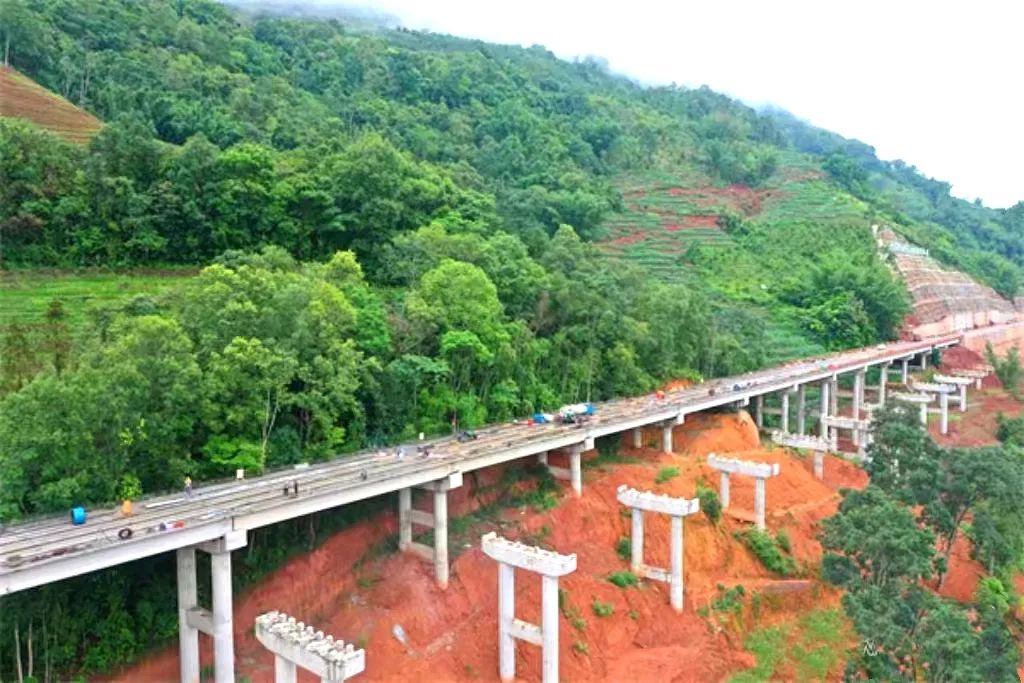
(356, 588)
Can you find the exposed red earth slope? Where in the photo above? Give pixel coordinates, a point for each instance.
(452, 634)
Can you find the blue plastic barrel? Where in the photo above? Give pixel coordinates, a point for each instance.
(78, 515)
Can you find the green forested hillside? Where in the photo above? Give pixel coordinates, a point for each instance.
(396, 231)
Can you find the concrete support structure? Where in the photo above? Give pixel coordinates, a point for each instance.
(438, 520)
(550, 566)
(961, 384)
(976, 375)
(574, 473)
(906, 370)
(883, 380)
(801, 409)
(784, 416)
(920, 399)
(823, 410)
(859, 380)
(818, 446)
(759, 470)
(296, 645)
(924, 361)
(218, 622)
(943, 391)
(666, 432)
(640, 502)
(859, 430)
(638, 437)
(759, 411)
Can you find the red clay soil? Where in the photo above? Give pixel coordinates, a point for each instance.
(452, 634)
(21, 97)
(631, 238)
(960, 357)
(740, 197)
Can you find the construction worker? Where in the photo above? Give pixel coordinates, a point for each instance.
(188, 486)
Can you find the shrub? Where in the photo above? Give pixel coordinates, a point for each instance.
(710, 504)
(581, 647)
(666, 473)
(1008, 369)
(623, 579)
(624, 548)
(602, 609)
(782, 538)
(768, 551)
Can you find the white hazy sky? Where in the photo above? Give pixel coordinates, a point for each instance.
(937, 84)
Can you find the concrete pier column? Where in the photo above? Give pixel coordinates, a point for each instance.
(801, 410)
(924, 361)
(576, 471)
(834, 397)
(723, 489)
(441, 537)
(666, 438)
(549, 628)
(823, 428)
(637, 541)
(883, 379)
(676, 566)
(858, 396)
(943, 413)
(759, 495)
(542, 458)
(759, 411)
(785, 411)
(223, 623)
(963, 398)
(404, 519)
(638, 438)
(285, 671)
(819, 464)
(506, 615)
(924, 415)
(906, 370)
(188, 598)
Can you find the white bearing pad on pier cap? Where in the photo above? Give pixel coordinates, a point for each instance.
(655, 502)
(750, 469)
(296, 644)
(527, 557)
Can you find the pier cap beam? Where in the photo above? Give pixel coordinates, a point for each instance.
(932, 388)
(811, 443)
(750, 469)
(332, 660)
(654, 502)
(959, 381)
(528, 557)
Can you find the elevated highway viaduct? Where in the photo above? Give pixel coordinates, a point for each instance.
(216, 519)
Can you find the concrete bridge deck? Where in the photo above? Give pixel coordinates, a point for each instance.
(42, 551)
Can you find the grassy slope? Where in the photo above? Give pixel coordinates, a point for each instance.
(26, 294)
(21, 97)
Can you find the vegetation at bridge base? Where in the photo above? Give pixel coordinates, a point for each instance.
(889, 546)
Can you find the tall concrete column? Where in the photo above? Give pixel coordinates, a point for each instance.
(819, 464)
(188, 598)
(883, 379)
(759, 411)
(638, 438)
(759, 503)
(637, 540)
(924, 415)
(924, 361)
(404, 519)
(858, 399)
(506, 615)
(801, 410)
(943, 413)
(666, 438)
(542, 458)
(723, 489)
(906, 370)
(441, 536)
(549, 627)
(285, 670)
(963, 398)
(676, 565)
(785, 411)
(223, 629)
(834, 397)
(823, 417)
(576, 471)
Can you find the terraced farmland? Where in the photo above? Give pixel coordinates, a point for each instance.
(23, 98)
